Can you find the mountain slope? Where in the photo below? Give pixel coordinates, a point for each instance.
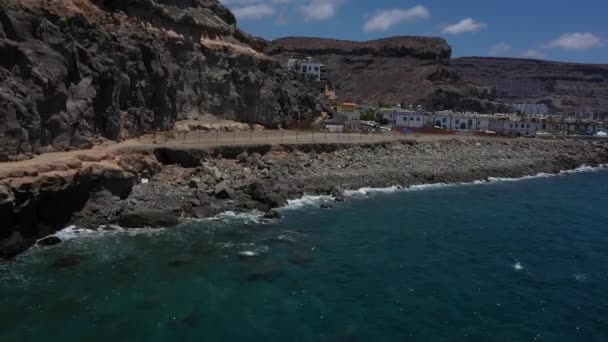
(413, 70)
(72, 71)
(565, 86)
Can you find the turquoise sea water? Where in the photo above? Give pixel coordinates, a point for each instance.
(507, 261)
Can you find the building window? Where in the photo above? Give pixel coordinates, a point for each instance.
(511, 126)
(411, 118)
(478, 122)
(528, 126)
(316, 68)
(304, 69)
(417, 119)
(457, 121)
(445, 120)
(544, 126)
(470, 123)
(404, 118)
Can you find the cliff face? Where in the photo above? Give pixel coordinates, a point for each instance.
(413, 70)
(387, 70)
(72, 71)
(564, 86)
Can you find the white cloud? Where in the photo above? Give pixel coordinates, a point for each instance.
(320, 9)
(499, 49)
(255, 11)
(576, 41)
(385, 19)
(534, 54)
(463, 26)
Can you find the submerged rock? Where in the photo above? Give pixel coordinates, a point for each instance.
(179, 262)
(148, 218)
(301, 259)
(287, 239)
(272, 215)
(69, 260)
(265, 273)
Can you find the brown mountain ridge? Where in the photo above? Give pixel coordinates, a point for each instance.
(420, 70)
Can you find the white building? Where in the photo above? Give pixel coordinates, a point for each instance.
(408, 119)
(460, 122)
(518, 128)
(308, 68)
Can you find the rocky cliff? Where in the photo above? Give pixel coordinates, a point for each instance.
(391, 70)
(563, 86)
(73, 71)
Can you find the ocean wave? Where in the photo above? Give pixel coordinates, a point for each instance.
(585, 168)
(517, 266)
(368, 191)
(516, 179)
(489, 180)
(251, 217)
(308, 201)
(73, 232)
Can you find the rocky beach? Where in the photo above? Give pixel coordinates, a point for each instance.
(162, 186)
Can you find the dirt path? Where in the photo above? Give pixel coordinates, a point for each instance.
(213, 139)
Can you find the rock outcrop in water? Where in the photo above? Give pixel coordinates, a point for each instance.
(39, 200)
(74, 71)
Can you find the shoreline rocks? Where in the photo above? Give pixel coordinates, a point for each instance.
(105, 193)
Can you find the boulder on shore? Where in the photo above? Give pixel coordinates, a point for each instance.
(49, 241)
(223, 190)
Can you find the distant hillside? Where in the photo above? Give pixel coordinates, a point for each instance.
(390, 70)
(565, 86)
(420, 70)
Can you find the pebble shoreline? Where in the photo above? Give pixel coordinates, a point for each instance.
(265, 181)
(163, 186)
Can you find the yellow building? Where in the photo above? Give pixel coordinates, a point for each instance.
(347, 107)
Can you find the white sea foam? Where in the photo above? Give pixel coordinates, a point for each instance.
(246, 217)
(580, 277)
(422, 187)
(370, 191)
(307, 201)
(517, 266)
(73, 232)
(585, 168)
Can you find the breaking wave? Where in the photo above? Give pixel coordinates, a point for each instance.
(308, 201)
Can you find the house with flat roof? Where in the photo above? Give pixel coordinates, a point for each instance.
(308, 68)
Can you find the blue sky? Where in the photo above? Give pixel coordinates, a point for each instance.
(562, 30)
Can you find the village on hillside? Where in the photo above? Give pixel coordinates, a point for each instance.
(524, 119)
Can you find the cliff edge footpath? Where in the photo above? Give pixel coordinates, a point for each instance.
(73, 72)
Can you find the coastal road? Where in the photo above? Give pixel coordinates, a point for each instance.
(199, 139)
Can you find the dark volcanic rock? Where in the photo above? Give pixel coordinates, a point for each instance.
(49, 241)
(223, 191)
(72, 71)
(181, 157)
(272, 215)
(148, 218)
